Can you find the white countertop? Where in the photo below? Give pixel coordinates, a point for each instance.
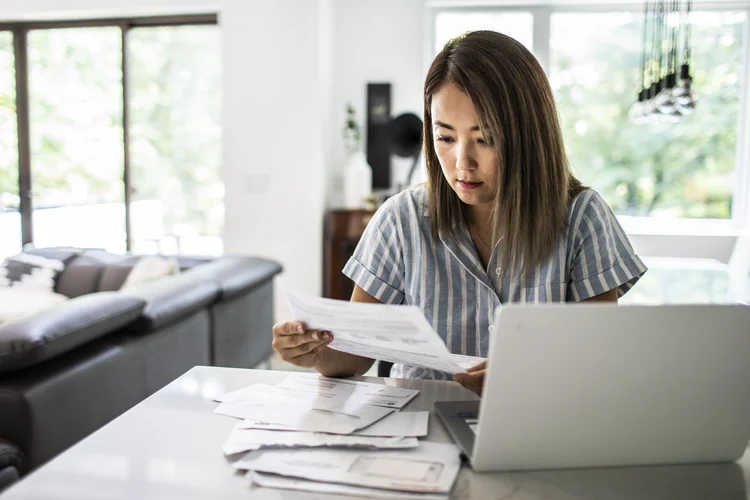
(169, 447)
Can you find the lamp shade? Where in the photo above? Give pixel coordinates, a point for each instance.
(405, 135)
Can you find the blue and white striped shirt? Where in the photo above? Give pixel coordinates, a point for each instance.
(397, 262)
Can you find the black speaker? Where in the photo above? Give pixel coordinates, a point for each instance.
(378, 119)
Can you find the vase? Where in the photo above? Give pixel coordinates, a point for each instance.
(357, 181)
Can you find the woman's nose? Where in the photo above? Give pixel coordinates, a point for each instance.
(465, 158)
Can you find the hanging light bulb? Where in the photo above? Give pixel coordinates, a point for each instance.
(664, 96)
(684, 95)
(659, 98)
(683, 92)
(637, 112)
(667, 101)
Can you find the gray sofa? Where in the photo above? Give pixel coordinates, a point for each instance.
(69, 370)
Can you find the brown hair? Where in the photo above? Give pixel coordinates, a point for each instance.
(514, 104)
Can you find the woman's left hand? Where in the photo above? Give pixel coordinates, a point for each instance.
(474, 379)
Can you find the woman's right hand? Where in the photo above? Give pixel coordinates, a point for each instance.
(298, 345)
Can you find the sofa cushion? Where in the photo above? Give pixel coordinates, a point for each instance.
(56, 331)
(83, 273)
(236, 275)
(113, 277)
(170, 299)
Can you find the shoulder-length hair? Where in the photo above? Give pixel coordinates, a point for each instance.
(516, 109)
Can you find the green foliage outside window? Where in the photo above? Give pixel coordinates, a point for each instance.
(8, 137)
(656, 169)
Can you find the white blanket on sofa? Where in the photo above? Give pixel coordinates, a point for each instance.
(17, 302)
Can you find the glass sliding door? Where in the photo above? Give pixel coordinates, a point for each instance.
(174, 96)
(75, 103)
(10, 217)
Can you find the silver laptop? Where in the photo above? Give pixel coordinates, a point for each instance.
(592, 385)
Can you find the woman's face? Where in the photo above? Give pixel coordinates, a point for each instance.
(467, 158)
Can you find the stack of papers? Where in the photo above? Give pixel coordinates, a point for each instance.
(313, 433)
(429, 468)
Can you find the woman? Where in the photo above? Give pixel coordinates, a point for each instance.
(501, 219)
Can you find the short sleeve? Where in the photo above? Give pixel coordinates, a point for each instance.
(603, 258)
(377, 265)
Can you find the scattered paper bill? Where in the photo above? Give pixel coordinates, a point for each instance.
(404, 423)
(263, 394)
(432, 467)
(313, 416)
(467, 362)
(341, 389)
(266, 480)
(244, 440)
(400, 334)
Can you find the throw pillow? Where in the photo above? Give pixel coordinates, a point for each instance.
(149, 268)
(31, 271)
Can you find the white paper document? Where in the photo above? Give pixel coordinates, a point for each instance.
(261, 394)
(293, 483)
(244, 440)
(432, 467)
(312, 416)
(400, 334)
(340, 389)
(404, 424)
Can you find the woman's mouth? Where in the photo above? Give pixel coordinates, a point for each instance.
(469, 185)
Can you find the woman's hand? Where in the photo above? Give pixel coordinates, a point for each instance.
(298, 345)
(474, 379)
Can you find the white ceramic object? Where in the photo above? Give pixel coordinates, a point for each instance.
(357, 181)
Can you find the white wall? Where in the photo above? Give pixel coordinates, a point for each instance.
(374, 41)
(273, 119)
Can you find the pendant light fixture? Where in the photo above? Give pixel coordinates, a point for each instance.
(662, 96)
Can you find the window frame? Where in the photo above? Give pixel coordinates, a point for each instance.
(20, 30)
(542, 12)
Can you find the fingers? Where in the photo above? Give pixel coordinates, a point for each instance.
(289, 328)
(480, 366)
(297, 340)
(310, 359)
(295, 352)
(298, 345)
(472, 381)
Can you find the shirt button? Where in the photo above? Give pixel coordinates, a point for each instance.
(492, 328)
(498, 270)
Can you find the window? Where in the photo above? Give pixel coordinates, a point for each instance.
(124, 135)
(10, 218)
(175, 135)
(450, 24)
(654, 169)
(687, 170)
(75, 108)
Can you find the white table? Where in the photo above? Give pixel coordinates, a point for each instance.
(169, 447)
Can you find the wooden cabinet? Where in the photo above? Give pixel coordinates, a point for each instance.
(342, 231)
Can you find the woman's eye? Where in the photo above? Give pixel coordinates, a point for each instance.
(442, 138)
(485, 142)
